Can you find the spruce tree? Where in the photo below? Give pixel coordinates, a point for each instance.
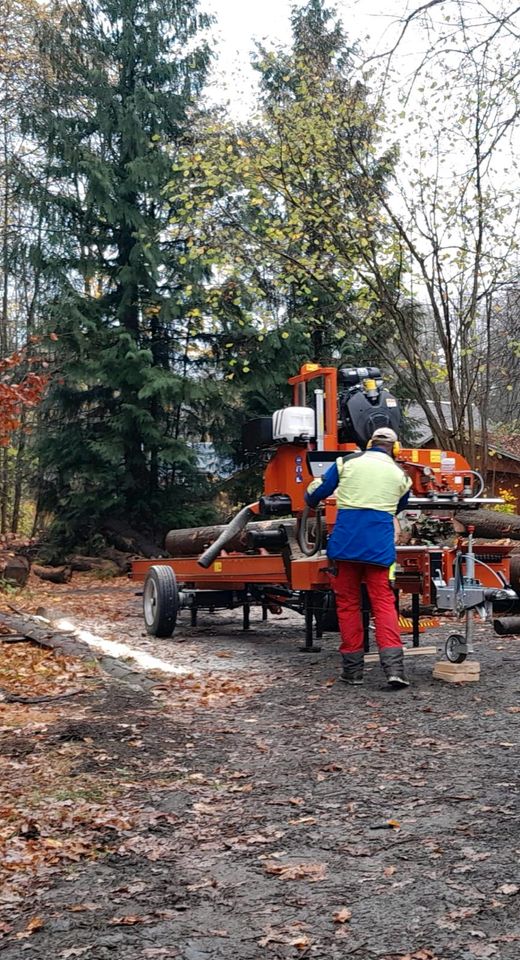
(123, 81)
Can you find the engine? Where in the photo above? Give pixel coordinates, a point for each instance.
(364, 405)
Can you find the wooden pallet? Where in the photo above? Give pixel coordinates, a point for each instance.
(467, 672)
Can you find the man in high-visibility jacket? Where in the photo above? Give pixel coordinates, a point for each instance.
(370, 490)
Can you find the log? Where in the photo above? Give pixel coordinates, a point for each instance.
(190, 542)
(506, 626)
(126, 539)
(514, 571)
(84, 564)
(14, 570)
(55, 574)
(122, 560)
(99, 565)
(490, 523)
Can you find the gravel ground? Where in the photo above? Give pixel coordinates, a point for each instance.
(278, 813)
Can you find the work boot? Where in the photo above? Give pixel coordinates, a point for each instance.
(353, 668)
(392, 662)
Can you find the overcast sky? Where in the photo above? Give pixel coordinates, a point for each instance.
(240, 22)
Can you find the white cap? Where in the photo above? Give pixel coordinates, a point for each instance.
(386, 434)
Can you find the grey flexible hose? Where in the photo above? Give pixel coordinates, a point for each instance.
(234, 526)
(302, 530)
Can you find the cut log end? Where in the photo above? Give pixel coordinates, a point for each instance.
(506, 626)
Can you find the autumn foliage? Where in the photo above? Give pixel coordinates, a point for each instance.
(18, 390)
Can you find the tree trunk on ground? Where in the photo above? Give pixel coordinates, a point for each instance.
(122, 560)
(506, 626)
(54, 574)
(126, 539)
(100, 565)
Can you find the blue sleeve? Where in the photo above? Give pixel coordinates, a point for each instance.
(403, 501)
(328, 485)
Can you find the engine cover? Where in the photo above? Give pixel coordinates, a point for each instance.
(361, 415)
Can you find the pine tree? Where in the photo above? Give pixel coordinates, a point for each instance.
(124, 77)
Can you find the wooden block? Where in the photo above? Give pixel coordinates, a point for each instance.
(468, 666)
(467, 672)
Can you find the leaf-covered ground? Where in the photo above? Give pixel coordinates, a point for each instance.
(251, 806)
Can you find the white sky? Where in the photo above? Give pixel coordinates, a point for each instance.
(239, 23)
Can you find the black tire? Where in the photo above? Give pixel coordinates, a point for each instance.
(160, 601)
(453, 649)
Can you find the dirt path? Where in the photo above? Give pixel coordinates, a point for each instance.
(242, 808)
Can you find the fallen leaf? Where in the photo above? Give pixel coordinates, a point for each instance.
(343, 915)
(356, 851)
(297, 871)
(206, 808)
(387, 825)
(209, 882)
(301, 942)
(482, 949)
(462, 913)
(286, 936)
(509, 889)
(73, 952)
(36, 923)
(160, 952)
(80, 907)
(129, 920)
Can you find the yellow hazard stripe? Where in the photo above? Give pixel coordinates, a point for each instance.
(406, 623)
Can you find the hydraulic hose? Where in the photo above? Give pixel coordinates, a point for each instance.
(304, 545)
(480, 479)
(233, 527)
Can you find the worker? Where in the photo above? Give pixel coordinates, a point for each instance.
(370, 490)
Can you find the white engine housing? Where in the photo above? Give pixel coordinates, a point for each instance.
(294, 423)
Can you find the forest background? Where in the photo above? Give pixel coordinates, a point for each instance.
(166, 262)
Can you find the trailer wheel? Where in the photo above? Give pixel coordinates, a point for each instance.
(456, 648)
(160, 601)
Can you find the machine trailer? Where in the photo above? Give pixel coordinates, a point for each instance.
(272, 554)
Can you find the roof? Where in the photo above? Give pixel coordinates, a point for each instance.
(505, 446)
(416, 416)
(421, 432)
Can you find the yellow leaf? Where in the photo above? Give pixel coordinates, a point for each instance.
(343, 915)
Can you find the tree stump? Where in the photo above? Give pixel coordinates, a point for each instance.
(14, 570)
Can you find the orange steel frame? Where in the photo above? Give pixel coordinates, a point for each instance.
(236, 571)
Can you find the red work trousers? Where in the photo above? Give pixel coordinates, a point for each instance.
(347, 589)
